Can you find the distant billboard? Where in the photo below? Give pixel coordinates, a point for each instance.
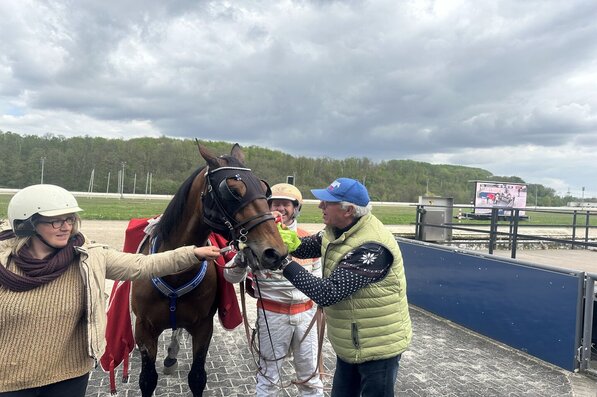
(502, 195)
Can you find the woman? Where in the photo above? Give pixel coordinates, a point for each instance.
(52, 298)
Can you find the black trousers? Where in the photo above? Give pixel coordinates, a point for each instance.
(75, 387)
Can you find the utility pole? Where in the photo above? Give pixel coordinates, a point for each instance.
(43, 160)
(123, 163)
(90, 187)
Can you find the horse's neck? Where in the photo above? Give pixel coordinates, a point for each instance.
(189, 235)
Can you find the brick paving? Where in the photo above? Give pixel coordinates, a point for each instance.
(444, 360)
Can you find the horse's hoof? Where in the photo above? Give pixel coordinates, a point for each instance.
(170, 366)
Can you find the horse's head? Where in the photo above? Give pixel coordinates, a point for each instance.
(235, 204)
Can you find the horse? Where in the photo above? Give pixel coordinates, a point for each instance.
(223, 196)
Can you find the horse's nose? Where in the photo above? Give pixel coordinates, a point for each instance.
(271, 258)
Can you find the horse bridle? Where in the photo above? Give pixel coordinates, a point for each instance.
(221, 204)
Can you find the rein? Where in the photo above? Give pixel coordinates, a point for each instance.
(318, 318)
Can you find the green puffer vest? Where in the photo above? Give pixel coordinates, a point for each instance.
(373, 323)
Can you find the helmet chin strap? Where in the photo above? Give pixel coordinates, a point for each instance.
(43, 240)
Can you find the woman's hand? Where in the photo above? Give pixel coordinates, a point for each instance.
(208, 252)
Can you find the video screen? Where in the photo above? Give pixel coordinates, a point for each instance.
(502, 195)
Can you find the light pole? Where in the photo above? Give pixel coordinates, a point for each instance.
(43, 160)
(123, 163)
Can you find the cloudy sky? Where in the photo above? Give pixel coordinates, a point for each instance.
(506, 85)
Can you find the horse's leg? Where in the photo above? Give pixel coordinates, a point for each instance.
(147, 340)
(171, 362)
(202, 334)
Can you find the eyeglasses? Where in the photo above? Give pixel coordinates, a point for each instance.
(325, 204)
(58, 223)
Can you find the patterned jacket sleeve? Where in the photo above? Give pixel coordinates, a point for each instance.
(365, 265)
(310, 247)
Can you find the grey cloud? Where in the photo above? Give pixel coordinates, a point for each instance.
(377, 79)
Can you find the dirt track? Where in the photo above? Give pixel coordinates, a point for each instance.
(105, 232)
(112, 232)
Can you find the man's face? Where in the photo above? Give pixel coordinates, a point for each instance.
(285, 207)
(334, 215)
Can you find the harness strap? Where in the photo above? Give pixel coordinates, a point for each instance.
(174, 294)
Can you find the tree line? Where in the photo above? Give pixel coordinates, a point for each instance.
(70, 162)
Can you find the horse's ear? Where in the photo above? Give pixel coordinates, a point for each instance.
(208, 156)
(238, 153)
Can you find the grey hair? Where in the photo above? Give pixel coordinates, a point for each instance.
(359, 211)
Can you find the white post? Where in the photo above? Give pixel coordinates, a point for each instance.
(43, 160)
(123, 163)
(90, 187)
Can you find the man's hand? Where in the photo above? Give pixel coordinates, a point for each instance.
(278, 217)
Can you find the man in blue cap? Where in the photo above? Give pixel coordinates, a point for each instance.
(363, 290)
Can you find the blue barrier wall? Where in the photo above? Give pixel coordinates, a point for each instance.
(535, 310)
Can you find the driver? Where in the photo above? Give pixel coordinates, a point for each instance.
(287, 310)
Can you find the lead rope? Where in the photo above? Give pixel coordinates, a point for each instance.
(271, 342)
(318, 318)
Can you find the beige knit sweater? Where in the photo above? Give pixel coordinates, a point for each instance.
(43, 335)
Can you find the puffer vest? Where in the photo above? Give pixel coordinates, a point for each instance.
(373, 323)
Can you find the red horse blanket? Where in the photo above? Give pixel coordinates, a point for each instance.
(119, 333)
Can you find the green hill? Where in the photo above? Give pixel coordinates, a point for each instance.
(70, 162)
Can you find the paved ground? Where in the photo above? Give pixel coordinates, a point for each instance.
(444, 360)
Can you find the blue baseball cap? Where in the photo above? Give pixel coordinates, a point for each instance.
(343, 189)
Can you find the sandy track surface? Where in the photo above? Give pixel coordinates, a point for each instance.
(105, 232)
(112, 232)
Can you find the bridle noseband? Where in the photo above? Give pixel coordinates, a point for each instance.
(221, 204)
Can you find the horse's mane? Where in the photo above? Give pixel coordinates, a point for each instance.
(174, 210)
(173, 213)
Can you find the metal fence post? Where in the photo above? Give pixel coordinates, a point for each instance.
(493, 230)
(585, 353)
(573, 229)
(514, 233)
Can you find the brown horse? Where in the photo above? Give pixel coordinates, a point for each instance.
(225, 197)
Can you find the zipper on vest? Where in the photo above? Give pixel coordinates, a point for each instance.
(355, 335)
